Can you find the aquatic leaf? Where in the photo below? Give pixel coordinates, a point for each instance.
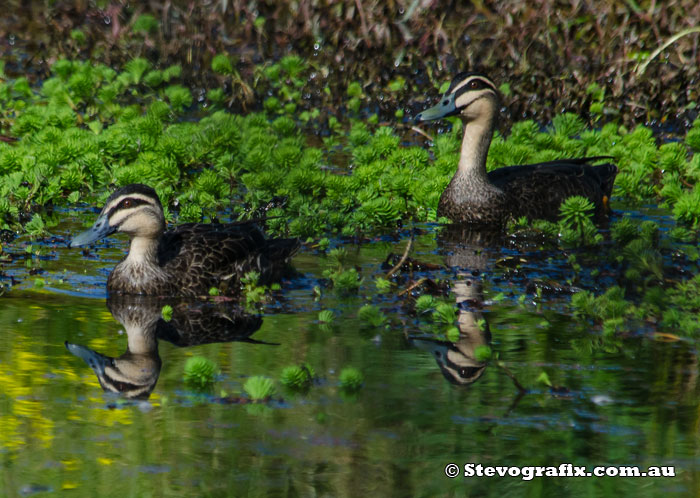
(326, 316)
(372, 315)
(259, 387)
(200, 372)
(145, 23)
(425, 303)
(351, 379)
(166, 312)
(221, 64)
(297, 377)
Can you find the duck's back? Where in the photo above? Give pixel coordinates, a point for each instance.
(198, 256)
(537, 190)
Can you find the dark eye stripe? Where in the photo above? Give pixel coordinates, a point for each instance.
(134, 203)
(474, 85)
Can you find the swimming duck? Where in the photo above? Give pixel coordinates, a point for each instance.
(187, 260)
(533, 190)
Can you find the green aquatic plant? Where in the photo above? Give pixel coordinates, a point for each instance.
(297, 377)
(372, 316)
(221, 64)
(382, 284)
(259, 388)
(179, 97)
(253, 292)
(425, 304)
(692, 138)
(200, 372)
(136, 68)
(145, 23)
(351, 379)
(576, 226)
(444, 313)
(326, 316)
(88, 127)
(166, 312)
(483, 353)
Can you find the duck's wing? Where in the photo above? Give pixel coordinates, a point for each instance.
(539, 189)
(227, 250)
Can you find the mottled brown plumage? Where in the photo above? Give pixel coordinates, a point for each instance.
(187, 260)
(492, 199)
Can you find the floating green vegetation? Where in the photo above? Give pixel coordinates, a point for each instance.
(343, 280)
(297, 377)
(90, 127)
(166, 312)
(200, 372)
(652, 293)
(259, 388)
(372, 316)
(326, 316)
(575, 227)
(254, 292)
(351, 379)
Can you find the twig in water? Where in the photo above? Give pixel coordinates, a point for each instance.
(403, 258)
(413, 286)
(505, 369)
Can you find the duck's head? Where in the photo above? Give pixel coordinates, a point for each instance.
(134, 210)
(470, 95)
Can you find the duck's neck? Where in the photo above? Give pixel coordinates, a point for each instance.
(142, 341)
(475, 148)
(143, 251)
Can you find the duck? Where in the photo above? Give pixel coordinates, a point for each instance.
(492, 199)
(187, 260)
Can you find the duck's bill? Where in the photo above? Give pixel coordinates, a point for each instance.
(446, 107)
(95, 360)
(97, 231)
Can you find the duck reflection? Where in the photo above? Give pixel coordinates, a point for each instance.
(135, 373)
(458, 360)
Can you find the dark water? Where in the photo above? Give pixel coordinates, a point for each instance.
(425, 402)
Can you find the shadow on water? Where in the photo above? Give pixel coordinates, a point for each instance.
(135, 373)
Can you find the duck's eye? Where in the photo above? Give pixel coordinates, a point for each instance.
(473, 84)
(126, 203)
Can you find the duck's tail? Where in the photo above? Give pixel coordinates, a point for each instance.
(281, 250)
(606, 175)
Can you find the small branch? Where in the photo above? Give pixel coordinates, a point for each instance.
(505, 369)
(413, 286)
(421, 132)
(403, 258)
